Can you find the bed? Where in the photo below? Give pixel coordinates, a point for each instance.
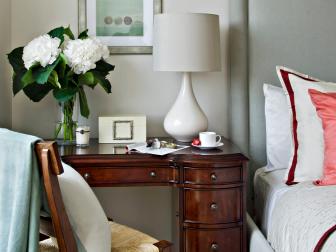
(281, 213)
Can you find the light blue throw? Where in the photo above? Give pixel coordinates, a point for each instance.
(20, 193)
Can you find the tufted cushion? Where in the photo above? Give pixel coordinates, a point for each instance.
(124, 239)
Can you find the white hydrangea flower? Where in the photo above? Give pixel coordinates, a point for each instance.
(43, 50)
(82, 55)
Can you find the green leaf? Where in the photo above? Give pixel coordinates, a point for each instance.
(70, 74)
(58, 33)
(84, 107)
(53, 79)
(66, 80)
(27, 78)
(64, 94)
(68, 32)
(15, 59)
(83, 34)
(37, 92)
(17, 83)
(42, 74)
(86, 79)
(106, 85)
(104, 67)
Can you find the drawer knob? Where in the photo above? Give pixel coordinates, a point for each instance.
(214, 247)
(213, 177)
(86, 176)
(213, 206)
(152, 174)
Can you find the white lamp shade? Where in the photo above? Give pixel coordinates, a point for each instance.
(187, 42)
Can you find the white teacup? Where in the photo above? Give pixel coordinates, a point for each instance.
(209, 139)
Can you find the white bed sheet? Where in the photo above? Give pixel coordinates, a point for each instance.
(268, 187)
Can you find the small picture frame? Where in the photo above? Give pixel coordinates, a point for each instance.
(126, 26)
(123, 130)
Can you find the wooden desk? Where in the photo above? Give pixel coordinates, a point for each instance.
(211, 187)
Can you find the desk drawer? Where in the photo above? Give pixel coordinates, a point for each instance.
(123, 175)
(212, 176)
(213, 240)
(213, 206)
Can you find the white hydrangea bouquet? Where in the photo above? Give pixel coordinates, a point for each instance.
(60, 63)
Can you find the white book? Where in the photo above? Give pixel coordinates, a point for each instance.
(142, 148)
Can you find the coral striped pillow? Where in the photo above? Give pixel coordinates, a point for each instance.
(325, 104)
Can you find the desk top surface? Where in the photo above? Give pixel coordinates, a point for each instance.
(96, 148)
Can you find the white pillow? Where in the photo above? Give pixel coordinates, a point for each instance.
(278, 136)
(85, 213)
(307, 154)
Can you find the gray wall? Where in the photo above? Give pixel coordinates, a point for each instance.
(300, 34)
(5, 87)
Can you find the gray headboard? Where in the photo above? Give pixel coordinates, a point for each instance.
(299, 34)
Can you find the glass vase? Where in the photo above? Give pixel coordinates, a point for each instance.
(67, 122)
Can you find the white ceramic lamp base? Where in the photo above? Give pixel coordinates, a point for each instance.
(185, 119)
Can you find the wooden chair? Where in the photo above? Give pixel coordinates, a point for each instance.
(58, 225)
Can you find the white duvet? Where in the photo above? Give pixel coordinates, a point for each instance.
(300, 218)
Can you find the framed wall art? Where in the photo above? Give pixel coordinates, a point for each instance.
(126, 26)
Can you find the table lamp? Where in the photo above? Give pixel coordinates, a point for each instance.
(186, 43)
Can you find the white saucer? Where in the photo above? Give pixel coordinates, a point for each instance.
(207, 147)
